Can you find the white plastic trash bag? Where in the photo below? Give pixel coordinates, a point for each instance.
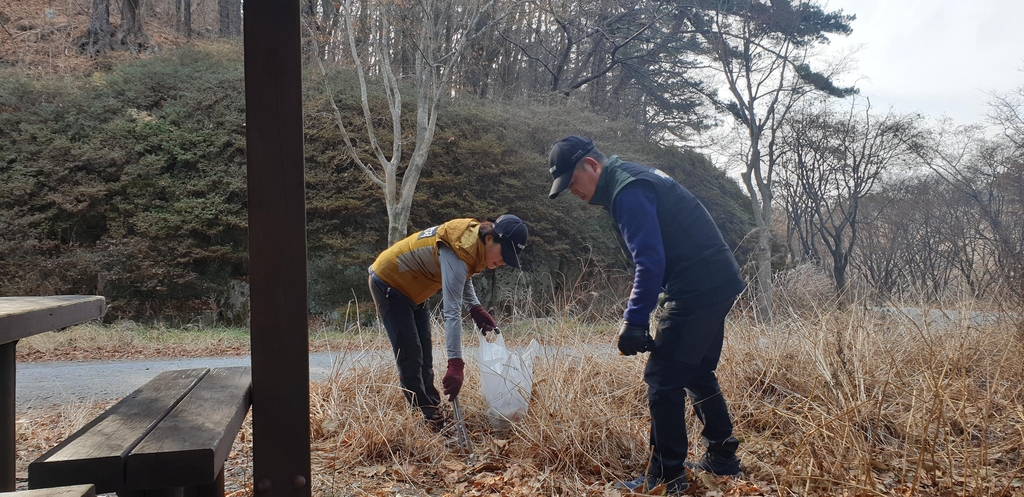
(506, 379)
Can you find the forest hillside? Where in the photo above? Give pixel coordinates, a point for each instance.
(129, 182)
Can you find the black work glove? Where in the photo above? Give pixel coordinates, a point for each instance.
(452, 381)
(633, 339)
(483, 319)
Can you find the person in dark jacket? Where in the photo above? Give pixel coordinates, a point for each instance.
(679, 251)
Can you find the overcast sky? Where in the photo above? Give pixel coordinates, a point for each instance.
(935, 56)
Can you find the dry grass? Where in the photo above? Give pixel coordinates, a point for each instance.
(127, 340)
(828, 403)
(858, 402)
(584, 424)
(39, 430)
(839, 403)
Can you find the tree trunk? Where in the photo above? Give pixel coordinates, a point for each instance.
(224, 18)
(229, 18)
(131, 36)
(839, 263)
(764, 274)
(97, 39)
(763, 221)
(183, 17)
(236, 17)
(329, 25)
(398, 222)
(187, 18)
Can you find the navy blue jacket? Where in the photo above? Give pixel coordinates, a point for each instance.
(676, 246)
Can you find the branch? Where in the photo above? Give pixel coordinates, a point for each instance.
(527, 53)
(5, 29)
(337, 114)
(364, 98)
(614, 62)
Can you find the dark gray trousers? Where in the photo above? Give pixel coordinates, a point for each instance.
(682, 365)
(408, 328)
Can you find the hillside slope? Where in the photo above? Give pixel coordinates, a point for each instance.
(129, 181)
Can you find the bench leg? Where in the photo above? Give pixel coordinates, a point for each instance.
(155, 492)
(213, 489)
(7, 436)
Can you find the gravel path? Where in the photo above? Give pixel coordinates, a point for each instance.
(44, 384)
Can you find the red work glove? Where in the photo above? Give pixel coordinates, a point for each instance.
(483, 320)
(452, 381)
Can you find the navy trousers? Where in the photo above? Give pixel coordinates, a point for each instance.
(408, 328)
(682, 365)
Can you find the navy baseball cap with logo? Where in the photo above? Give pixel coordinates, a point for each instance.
(511, 233)
(562, 161)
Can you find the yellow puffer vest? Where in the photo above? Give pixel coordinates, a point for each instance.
(411, 264)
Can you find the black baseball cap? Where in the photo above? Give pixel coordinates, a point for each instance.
(563, 159)
(511, 233)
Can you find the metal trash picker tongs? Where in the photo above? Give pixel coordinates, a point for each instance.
(460, 428)
(460, 422)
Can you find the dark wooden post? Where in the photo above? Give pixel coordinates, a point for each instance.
(277, 249)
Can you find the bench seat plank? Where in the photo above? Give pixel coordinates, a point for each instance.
(190, 445)
(86, 490)
(96, 453)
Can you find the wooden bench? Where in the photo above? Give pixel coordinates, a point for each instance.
(69, 491)
(22, 317)
(169, 437)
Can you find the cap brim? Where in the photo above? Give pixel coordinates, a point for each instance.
(509, 255)
(561, 183)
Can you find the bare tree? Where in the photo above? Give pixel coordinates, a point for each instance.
(917, 222)
(926, 235)
(959, 239)
(990, 174)
(422, 42)
(629, 59)
(837, 159)
(760, 50)
(882, 244)
(1008, 113)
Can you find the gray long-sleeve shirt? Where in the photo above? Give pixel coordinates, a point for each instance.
(458, 296)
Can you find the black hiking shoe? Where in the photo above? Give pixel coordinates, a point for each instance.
(435, 419)
(644, 484)
(719, 459)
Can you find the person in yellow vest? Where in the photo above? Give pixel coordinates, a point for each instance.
(442, 258)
